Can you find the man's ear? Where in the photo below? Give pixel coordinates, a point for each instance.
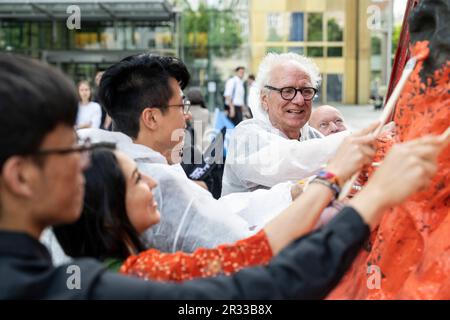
(18, 175)
(150, 118)
(264, 100)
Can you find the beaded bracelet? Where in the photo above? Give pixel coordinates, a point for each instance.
(330, 180)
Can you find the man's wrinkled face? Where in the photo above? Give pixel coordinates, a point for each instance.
(327, 120)
(287, 116)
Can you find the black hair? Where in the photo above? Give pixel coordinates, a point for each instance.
(430, 21)
(239, 68)
(34, 99)
(103, 229)
(252, 77)
(138, 82)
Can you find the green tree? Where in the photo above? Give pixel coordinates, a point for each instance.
(376, 45)
(396, 37)
(335, 31)
(315, 27)
(211, 29)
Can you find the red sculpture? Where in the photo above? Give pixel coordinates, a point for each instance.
(411, 247)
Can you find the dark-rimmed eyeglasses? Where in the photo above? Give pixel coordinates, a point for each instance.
(186, 105)
(83, 146)
(289, 93)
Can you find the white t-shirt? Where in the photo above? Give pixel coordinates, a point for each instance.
(253, 97)
(234, 88)
(89, 114)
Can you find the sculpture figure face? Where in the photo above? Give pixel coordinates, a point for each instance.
(430, 21)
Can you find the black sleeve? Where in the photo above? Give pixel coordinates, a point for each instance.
(309, 268)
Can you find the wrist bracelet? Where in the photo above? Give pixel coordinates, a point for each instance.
(329, 180)
(326, 175)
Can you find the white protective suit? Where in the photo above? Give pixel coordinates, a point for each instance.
(260, 156)
(190, 217)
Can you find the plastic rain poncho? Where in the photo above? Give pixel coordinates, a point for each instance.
(190, 217)
(261, 156)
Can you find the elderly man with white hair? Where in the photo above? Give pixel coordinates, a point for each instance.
(278, 145)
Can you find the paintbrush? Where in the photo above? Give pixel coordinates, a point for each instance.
(387, 112)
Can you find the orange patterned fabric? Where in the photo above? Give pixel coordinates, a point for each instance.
(382, 145)
(225, 259)
(411, 247)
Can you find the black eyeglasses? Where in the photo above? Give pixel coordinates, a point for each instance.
(83, 147)
(186, 105)
(289, 93)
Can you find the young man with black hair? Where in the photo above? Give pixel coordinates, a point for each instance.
(41, 184)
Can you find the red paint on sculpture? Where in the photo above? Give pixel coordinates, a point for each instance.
(412, 244)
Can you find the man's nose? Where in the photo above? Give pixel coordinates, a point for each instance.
(333, 127)
(298, 99)
(188, 116)
(84, 160)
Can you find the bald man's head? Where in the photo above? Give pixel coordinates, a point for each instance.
(327, 120)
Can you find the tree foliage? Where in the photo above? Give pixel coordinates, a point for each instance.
(211, 29)
(315, 27)
(396, 37)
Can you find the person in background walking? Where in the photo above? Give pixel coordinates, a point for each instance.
(235, 96)
(251, 97)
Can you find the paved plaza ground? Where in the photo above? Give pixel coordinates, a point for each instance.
(359, 116)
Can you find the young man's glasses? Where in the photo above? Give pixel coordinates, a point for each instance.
(186, 105)
(289, 93)
(84, 147)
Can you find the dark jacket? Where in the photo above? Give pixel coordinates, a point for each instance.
(307, 269)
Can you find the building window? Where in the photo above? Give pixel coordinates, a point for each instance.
(315, 52)
(376, 45)
(335, 26)
(274, 27)
(297, 27)
(334, 52)
(315, 27)
(318, 98)
(275, 49)
(298, 50)
(334, 87)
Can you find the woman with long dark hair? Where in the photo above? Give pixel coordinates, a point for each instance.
(119, 206)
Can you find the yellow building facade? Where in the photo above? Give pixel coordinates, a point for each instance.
(334, 33)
